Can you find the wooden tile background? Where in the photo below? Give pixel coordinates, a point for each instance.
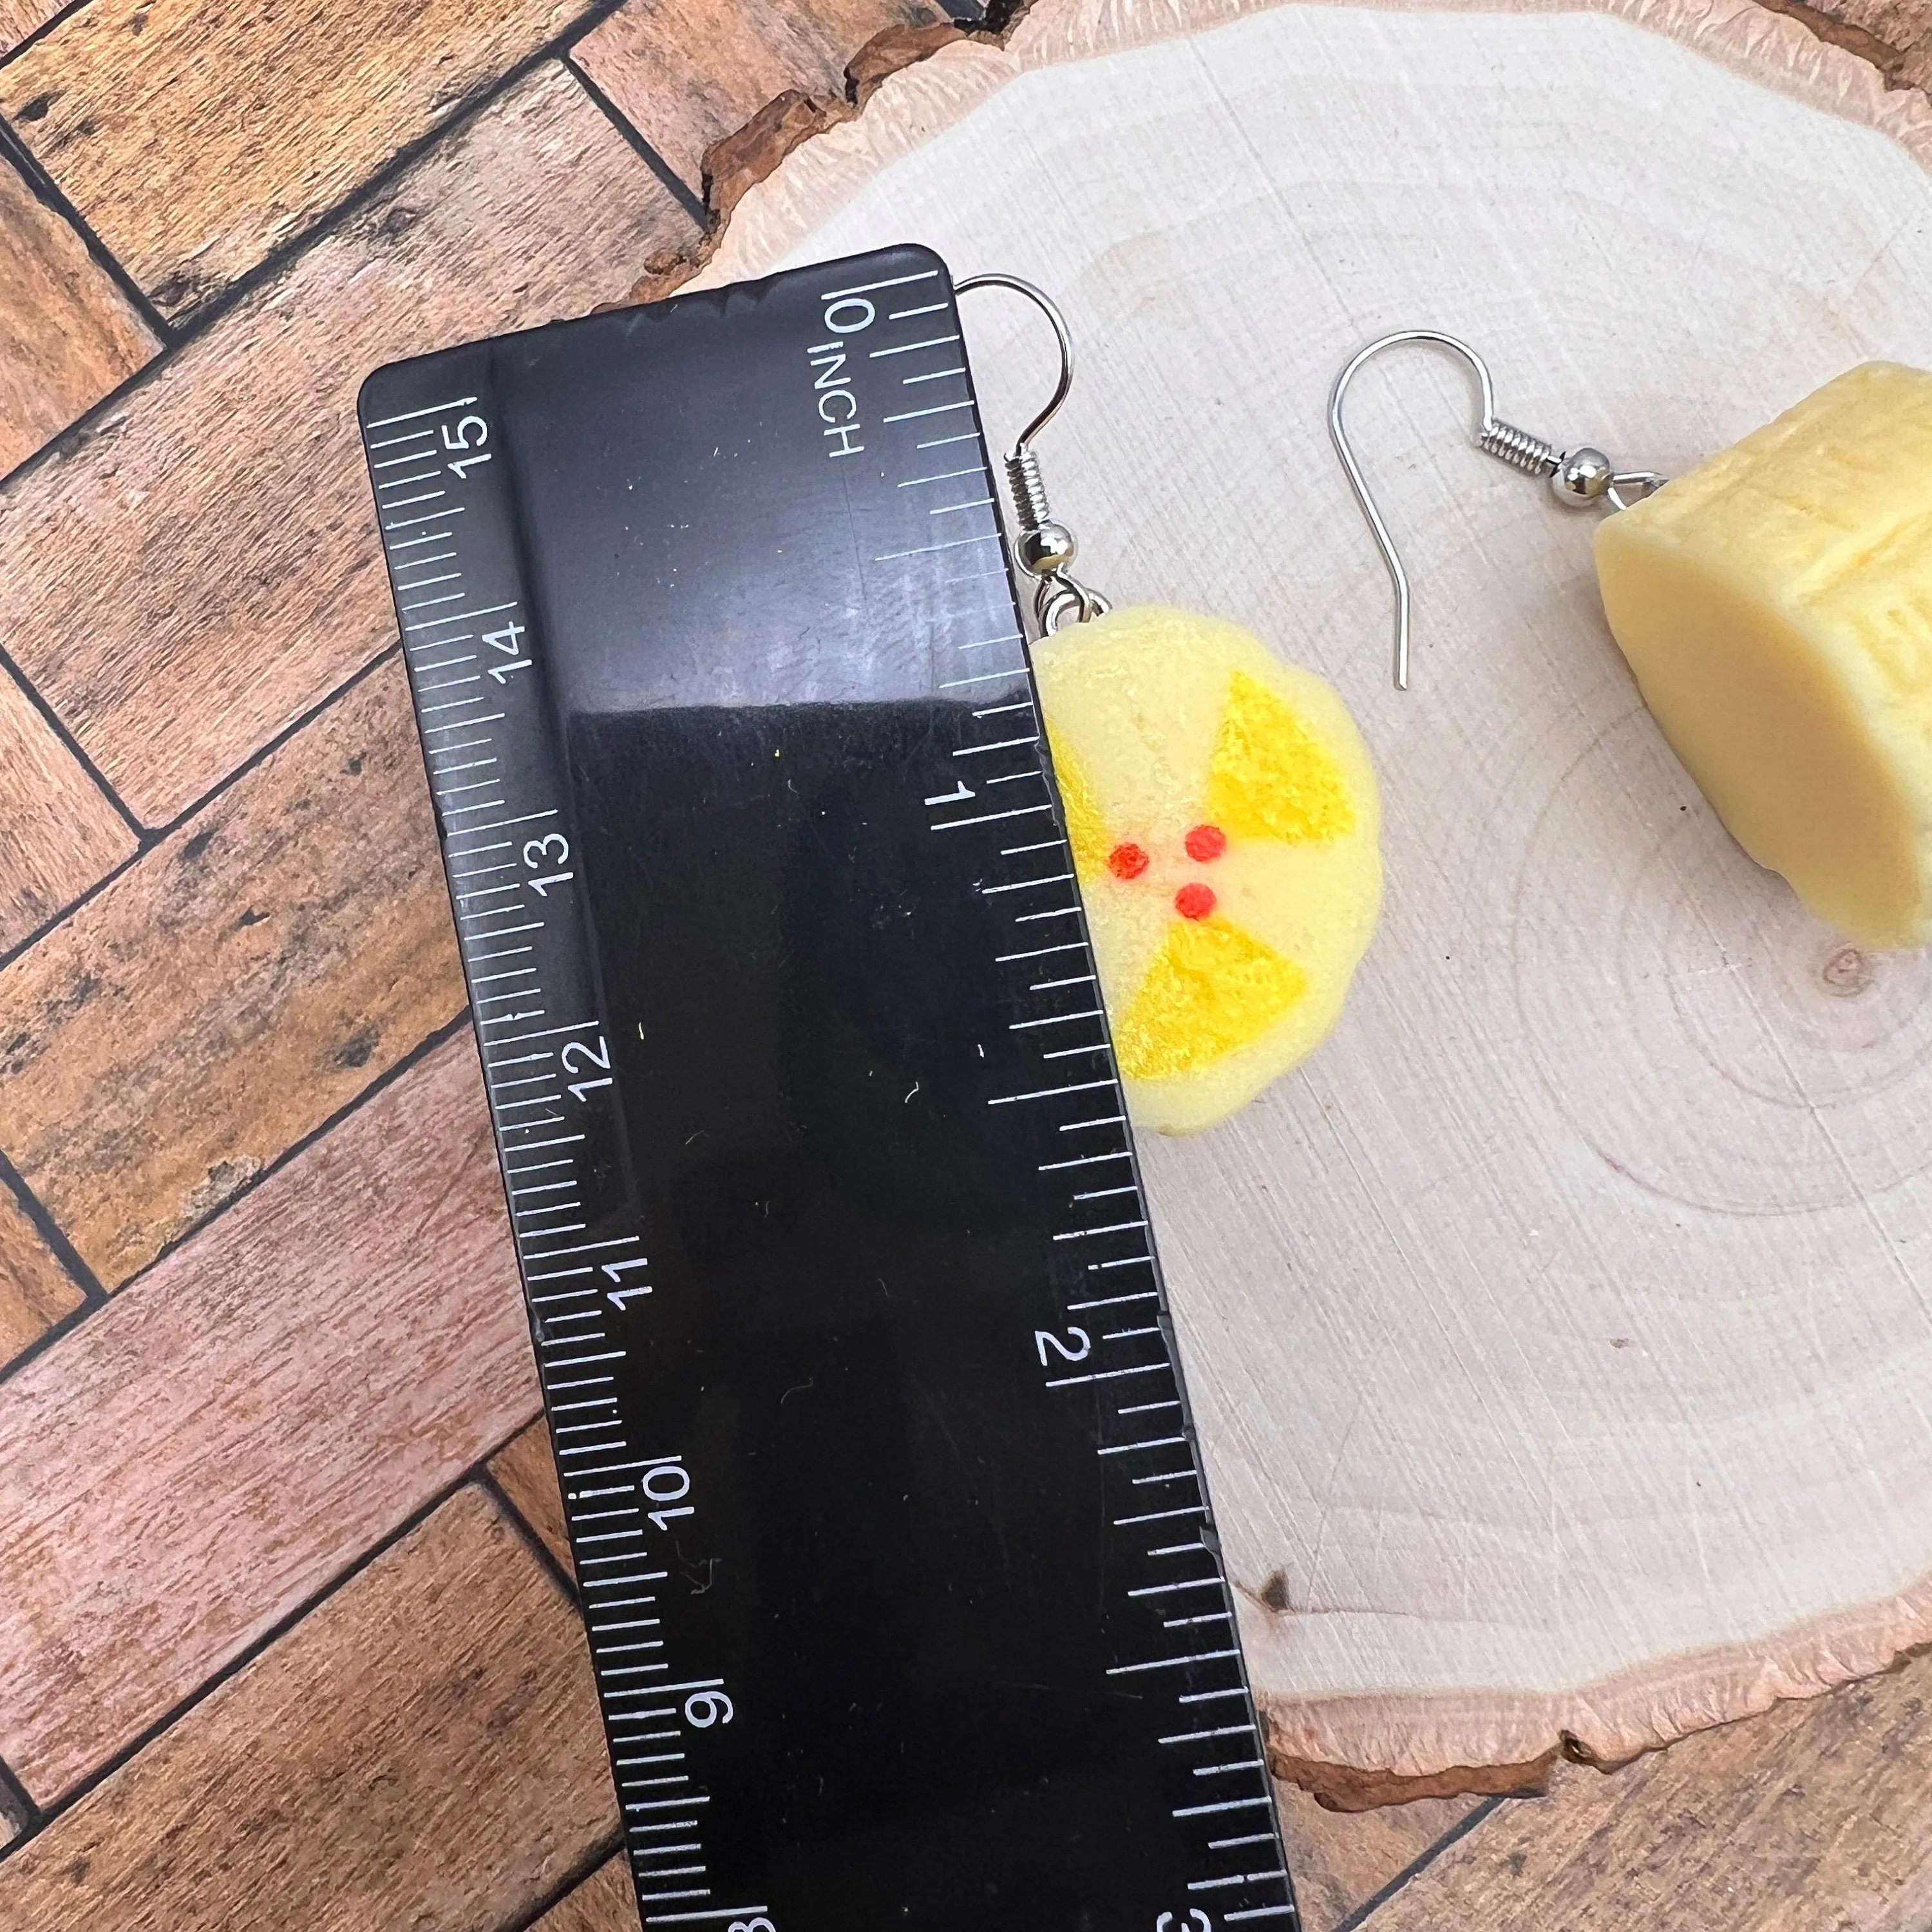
(286, 1638)
(68, 333)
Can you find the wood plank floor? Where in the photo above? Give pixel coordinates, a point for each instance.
(286, 1630)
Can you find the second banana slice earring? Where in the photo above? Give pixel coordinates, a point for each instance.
(1223, 816)
(1775, 605)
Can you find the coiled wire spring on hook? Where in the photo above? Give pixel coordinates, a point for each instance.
(1518, 448)
(1029, 490)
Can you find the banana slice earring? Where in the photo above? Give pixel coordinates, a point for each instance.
(1776, 607)
(1223, 816)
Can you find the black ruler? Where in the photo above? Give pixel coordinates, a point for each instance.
(903, 1593)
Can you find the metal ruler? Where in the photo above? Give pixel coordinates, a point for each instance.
(901, 1581)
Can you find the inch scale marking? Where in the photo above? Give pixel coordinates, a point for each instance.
(896, 1559)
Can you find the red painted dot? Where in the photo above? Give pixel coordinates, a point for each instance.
(1205, 842)
(1127, 861)
(1194, 901)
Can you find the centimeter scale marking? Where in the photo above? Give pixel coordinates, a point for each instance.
(470, 642)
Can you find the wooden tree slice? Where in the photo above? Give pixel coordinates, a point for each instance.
(1559, 1334)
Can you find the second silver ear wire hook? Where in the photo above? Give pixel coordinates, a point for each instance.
(1580, 477)
(1045, 549)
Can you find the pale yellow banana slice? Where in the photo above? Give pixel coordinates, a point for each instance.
(1776, 606)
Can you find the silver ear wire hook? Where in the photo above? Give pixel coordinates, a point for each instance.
(1045, 548)
(1580, 477)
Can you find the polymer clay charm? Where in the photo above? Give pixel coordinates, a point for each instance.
(1224, 820)
(1775, 605)
(1223, 816)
